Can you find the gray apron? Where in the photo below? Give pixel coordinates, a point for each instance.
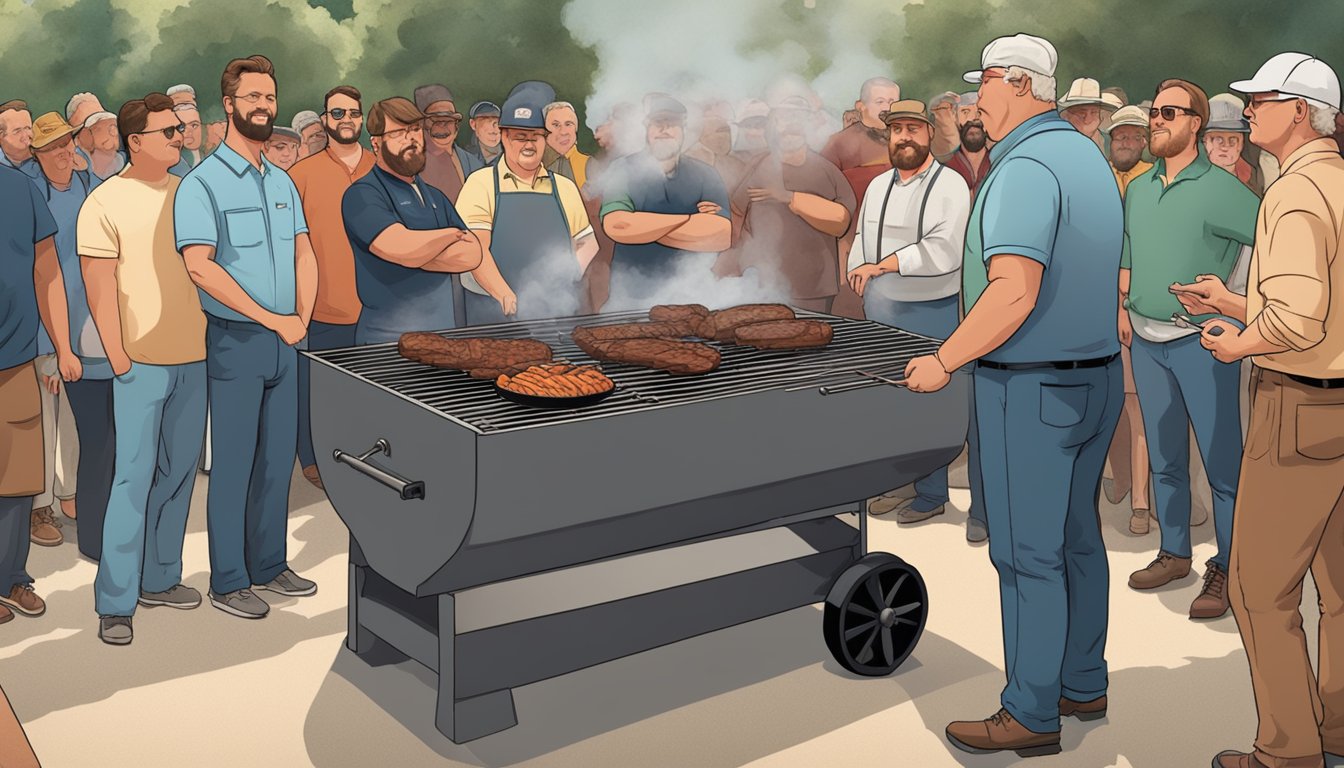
(534, 253)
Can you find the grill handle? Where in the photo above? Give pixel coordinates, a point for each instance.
(407, 489)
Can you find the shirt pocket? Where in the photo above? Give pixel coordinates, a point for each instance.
(1320, 431)
(1063, 406)
(246, 227)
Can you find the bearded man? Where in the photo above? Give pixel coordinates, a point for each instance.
(407, 237)
(1184, 219)
(971, 159)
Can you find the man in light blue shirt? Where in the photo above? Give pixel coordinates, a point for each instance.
(240, 226)
(1039, 283)
(16, 138)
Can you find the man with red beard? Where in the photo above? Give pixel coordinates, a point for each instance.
(971, 159)
(794, 207)
(407, 238)
(906, 266)
(1183, 219)
(240, 228)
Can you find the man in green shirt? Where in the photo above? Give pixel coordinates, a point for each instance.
(1182, 219)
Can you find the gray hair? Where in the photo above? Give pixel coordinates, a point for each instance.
(77, 101)
(180, 88)
(946, 97)
(1322, 118)
(876, 82)
(546, 110)
(1042, 86)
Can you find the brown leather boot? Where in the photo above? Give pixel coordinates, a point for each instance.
(5, 614)
(23, 599)
(43, 529)
(1232, 759)
(1212, 602)
(1083, 710)
(1001, 733)
(1162, 571)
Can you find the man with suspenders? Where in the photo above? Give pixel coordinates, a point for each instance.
(536, 241)
(906, 264)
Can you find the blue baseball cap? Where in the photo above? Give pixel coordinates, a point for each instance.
(523, 108)
(483, 109)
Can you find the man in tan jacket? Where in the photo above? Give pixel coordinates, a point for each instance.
(1290, 504)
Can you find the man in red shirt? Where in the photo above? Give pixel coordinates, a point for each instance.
(971, 159)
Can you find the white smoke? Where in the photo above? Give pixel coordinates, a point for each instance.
(705, 50)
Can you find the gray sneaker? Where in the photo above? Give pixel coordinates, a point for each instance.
(289, 584)
(115, 630)
(179, 596)
(241, 603)
(976, 531)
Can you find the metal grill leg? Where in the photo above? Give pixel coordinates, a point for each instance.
(463, 720)
(357, 638)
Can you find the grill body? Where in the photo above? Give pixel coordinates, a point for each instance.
(665, 467)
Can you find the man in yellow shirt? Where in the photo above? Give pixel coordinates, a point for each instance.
(148, 315)
(562, 137)
(535, 237)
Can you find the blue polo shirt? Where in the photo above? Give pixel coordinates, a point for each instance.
(396, 298)
(30, 167)
(1050, 196)
(251, 219)
(637, 183)
(25, 221)
(65, 205)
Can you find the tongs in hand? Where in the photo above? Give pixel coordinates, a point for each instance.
(1185, 321)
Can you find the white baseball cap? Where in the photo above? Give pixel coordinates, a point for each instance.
(1295, 74)
(97, 117)
(1026, 51)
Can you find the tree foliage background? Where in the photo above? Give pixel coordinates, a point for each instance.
(120, 49)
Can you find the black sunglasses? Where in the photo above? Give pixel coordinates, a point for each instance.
(340, 113)
(168, 133)
(1169, 113)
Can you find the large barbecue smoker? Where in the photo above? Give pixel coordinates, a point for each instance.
(500, 544)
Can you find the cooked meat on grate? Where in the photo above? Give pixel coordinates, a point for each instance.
(677, 357)
(483, 355)
(785, 334)
(719, 325)
(560, 380)
(663, 330)
(673, 313)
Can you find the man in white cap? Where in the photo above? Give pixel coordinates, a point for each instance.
(751, 122)
(1290, 502)
(1086, 107)
(1225, 141)
(283, 147)
(105, 157)
(309, 127)
(1038, 281)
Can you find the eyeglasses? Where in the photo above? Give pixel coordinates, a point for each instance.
(1254, 102)
(339, 113)
(254, 97)
(399, 134)
(168, 133)
(1169, 113)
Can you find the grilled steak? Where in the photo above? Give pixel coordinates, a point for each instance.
(484, 355)
(720, 325)
(785, 334)
(678, 357)
(663, 330)
(674, 313)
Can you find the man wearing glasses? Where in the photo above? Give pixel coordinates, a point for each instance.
(192, 138)
(322, 180)
(1290, 504)
(1183, 218)
(148, 319)
(242, 232)
(1042, 252)
(447, 165)
(407, 238)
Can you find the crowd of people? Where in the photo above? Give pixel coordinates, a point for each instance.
(1100, 263)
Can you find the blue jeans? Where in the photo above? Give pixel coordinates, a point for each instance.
(1181, 385)
(15, 527)
(937, 319)
(1043, 440)
(91, 402)
(254, 416)
(159, 417)
(320, 336)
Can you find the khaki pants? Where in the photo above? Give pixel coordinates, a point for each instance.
(60, 442)
(20, 432)
(1290, 519)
